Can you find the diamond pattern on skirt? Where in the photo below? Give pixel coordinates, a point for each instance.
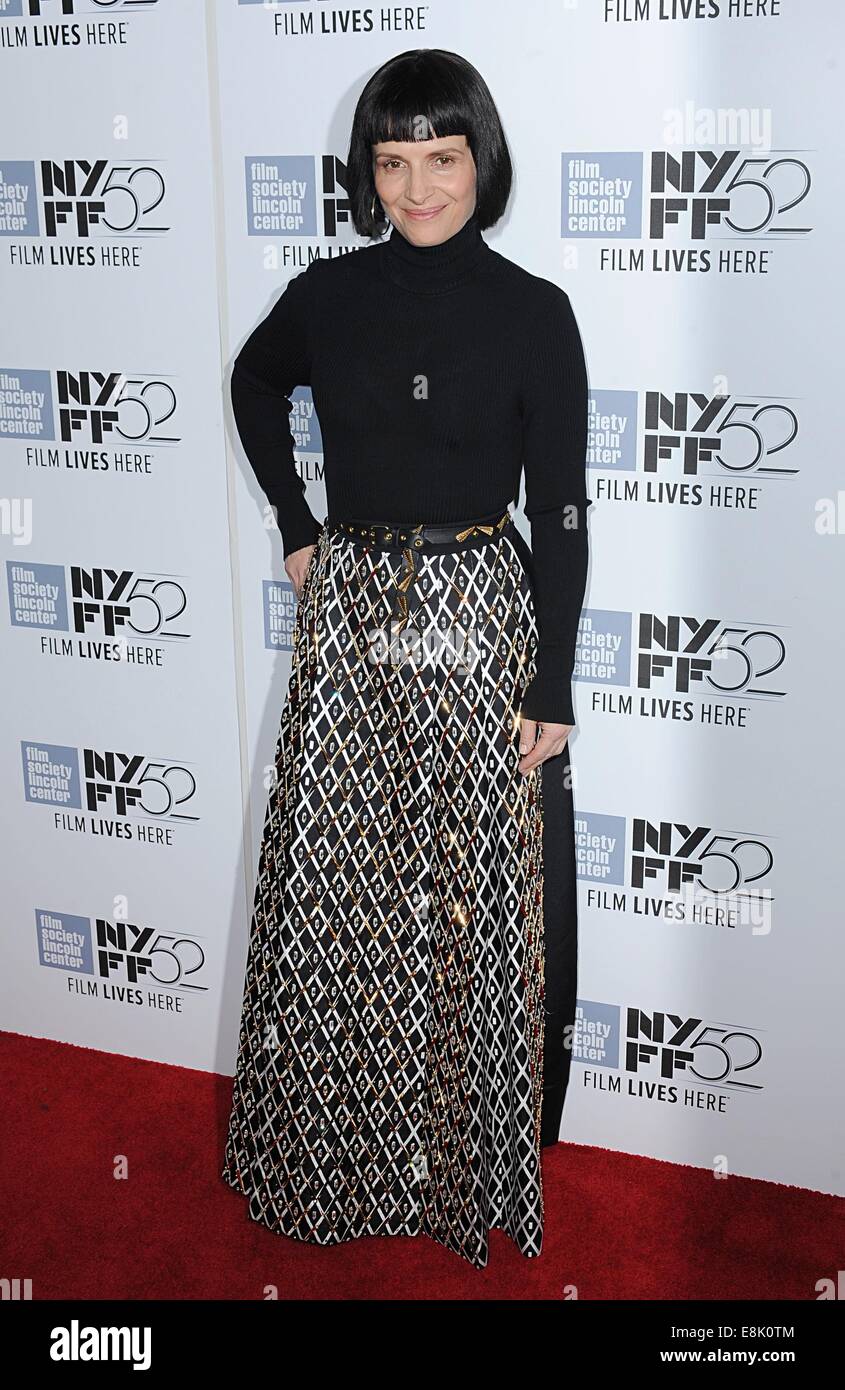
(389, 1070)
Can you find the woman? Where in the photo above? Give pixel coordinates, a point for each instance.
(411, 976)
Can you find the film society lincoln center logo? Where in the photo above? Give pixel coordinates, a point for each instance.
(297, 195)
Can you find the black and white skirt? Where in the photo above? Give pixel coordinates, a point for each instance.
(410, 983)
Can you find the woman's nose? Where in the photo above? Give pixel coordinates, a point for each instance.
(418, 185)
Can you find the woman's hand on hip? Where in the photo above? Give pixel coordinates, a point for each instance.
(296, 567)
(552, 741)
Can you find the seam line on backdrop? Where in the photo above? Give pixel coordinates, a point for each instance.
(219, 232)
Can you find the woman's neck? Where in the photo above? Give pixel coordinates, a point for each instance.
(439, 266)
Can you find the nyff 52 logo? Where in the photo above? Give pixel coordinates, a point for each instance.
(673, 1045)
(739, 435)
(129, 409)
(677, 653)
(83, 199)
(672, 858)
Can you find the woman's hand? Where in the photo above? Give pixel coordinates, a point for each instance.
(296, 567)
(552, 741)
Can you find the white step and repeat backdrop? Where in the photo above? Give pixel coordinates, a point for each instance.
(165, 169)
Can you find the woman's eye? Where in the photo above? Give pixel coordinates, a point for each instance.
(390, 164)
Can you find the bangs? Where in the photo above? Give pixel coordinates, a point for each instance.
(415, 112)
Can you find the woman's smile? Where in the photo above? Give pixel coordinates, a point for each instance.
(422, 214)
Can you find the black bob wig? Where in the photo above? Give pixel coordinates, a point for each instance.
(455, 100)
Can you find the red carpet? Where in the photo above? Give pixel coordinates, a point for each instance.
(617, 1226)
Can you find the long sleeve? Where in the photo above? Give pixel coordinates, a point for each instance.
(273, 361)
(556, 503)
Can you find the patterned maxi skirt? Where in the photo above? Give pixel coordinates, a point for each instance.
(390, 1070)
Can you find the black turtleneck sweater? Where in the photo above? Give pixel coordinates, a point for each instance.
(438, 373)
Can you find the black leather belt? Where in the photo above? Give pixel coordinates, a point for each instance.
(413, 539)
(398, 534)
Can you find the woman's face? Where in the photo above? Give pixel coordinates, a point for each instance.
(426, 187)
